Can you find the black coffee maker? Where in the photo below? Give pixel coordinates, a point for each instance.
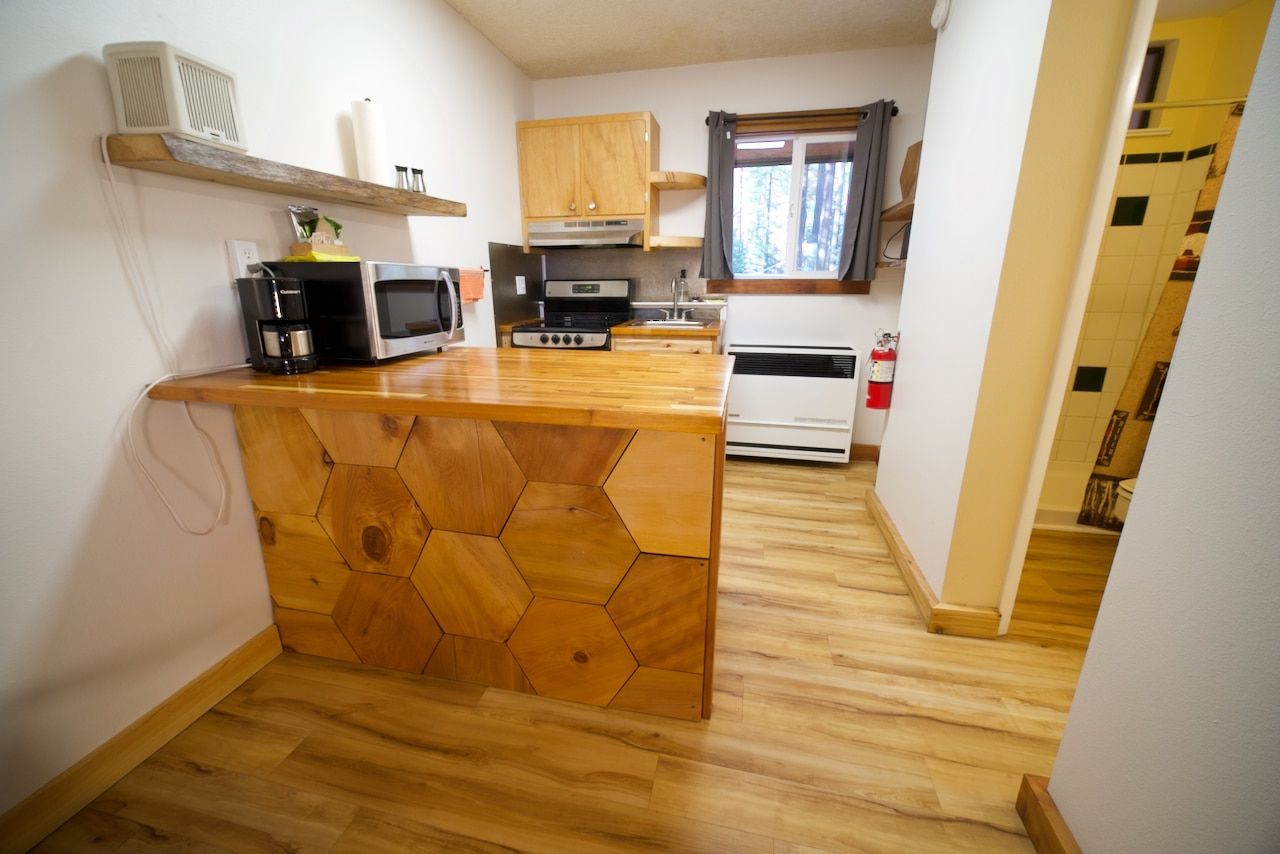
(275, 324)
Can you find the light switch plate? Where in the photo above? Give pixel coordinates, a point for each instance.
(521, 287)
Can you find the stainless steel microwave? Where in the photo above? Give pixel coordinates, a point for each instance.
(371, 311)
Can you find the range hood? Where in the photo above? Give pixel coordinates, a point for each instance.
(582, 232)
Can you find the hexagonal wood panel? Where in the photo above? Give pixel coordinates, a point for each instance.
(461, 474)
(662, 692)
(661, 610)
(488, 663)
(304, 569)
(661, 488)
(360, 438)
(471, 585)
(558, 453)
(568, 542)
(386, 622)
(571, 651)
(373, 519)
(284, 462)
(442, 664)
(312, 634)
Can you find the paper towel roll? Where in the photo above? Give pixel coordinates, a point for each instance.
(372, 163)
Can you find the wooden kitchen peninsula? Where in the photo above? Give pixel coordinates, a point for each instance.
(533, 520)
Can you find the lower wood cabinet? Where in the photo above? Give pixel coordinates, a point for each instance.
(652, 344)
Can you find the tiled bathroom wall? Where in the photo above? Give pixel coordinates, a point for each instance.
(1154, 199)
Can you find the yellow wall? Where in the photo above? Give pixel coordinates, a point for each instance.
(1210, 57)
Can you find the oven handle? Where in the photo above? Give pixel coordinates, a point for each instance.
(453, 302)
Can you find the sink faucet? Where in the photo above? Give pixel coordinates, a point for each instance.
(675, 299)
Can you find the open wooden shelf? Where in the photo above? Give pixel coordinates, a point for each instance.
(657, 241)
(176, 155)
(677, 180)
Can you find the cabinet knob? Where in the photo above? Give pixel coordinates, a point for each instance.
(573, 206)
(591, 206)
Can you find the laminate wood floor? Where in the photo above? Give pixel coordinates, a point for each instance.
(839, 725)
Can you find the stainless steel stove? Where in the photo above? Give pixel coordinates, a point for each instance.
(577, 314)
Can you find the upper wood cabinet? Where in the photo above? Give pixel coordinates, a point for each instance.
(597, 167)
(586, 166)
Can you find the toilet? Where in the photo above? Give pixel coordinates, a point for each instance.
(1124, 494)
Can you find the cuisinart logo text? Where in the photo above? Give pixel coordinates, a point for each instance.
(290, 293)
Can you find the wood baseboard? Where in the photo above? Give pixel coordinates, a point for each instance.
(864, 453)
(939, 617)
(1045, 825)
(62, 797)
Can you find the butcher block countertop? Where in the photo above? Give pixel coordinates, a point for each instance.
(637, 327)
(674, 392)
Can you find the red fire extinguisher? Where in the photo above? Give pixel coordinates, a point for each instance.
(884, 358)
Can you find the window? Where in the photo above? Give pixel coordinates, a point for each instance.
(1148, 80)
(789, 197)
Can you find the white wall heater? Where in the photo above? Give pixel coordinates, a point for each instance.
(792, 402)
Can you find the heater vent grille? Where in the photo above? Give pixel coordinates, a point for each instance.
(142, 90)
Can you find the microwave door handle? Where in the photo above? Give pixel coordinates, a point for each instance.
(453, 302)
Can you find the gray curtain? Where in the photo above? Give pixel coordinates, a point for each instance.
(861, 245)
(717, 244)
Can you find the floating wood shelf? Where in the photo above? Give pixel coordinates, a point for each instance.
(176, 155)
(901, 212)
(677, 180)
(657, 241)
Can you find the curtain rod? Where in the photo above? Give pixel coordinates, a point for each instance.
(801, 114)
(1174, 105)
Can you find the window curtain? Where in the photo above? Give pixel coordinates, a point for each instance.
(717, 244)
(861, 245)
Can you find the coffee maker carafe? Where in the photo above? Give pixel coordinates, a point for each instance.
(275, 324)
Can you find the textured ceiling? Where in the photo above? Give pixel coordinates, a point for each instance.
(566, 38)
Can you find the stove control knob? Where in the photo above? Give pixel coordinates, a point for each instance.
(545, 338)
(555, 339)
(577, 339)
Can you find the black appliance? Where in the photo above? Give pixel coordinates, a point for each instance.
(372, 311)
(577, 314)
(276, 326)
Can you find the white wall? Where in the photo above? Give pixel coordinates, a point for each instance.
(1171, 742)
(105, 608)
(984, 76)
(680, 99)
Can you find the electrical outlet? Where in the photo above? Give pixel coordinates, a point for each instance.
(241, 254)
(521, 286)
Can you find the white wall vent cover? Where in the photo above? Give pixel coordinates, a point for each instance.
(157, 88)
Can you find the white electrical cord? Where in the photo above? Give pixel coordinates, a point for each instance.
(148, 300)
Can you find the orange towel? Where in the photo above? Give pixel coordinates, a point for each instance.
(472, 286)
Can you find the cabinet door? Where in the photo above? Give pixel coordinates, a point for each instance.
(615, 168)
(649, 344)
(549, 170)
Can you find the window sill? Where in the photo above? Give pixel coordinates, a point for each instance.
(786, 286)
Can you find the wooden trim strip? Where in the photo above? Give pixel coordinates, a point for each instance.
(786, 286)
(1045, 825)
(917, 585)
(713, 580)
(864, 453)
(942, 618)
(62, 797)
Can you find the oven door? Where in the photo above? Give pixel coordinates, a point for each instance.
(412, 308)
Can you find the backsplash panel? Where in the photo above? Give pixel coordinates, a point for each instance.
(653, 271)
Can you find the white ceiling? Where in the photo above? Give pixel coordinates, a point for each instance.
(567, 38)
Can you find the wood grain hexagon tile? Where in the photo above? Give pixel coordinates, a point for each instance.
(488, 663)
(373, 520)
(662, 692)
(461, 474)
(471, 585)
(360, 438)
(312, 634)
(305, 571)
(571, 651)
(284, 462)
(386, 622)
(568, 542)
(663, 488)
(558, 453)
(661, 610)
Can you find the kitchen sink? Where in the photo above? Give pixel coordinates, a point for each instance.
(677, 324)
